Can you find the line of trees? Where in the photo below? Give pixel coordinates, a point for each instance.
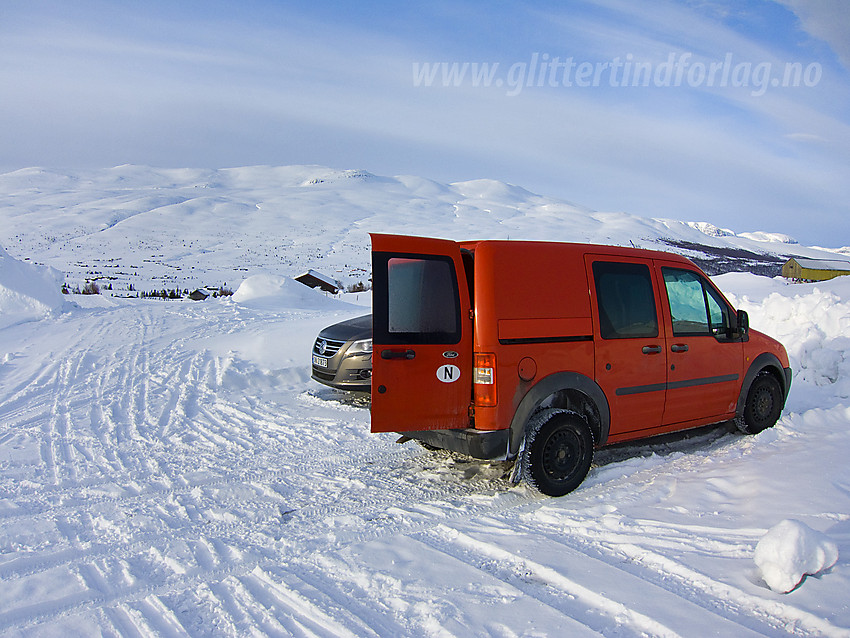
(163, 294)
(176, 293)
(92, 288)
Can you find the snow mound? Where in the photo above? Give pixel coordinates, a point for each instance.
(813, 324)
(27, 292)
(791, 550)
(276, 292)
(491, 189)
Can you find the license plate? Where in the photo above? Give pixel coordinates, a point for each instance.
(322, 362)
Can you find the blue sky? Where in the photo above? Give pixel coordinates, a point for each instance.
(739, 115)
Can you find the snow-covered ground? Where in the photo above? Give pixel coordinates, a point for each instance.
(168, 468)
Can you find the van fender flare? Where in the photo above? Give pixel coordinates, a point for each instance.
(545, 388)
(760, 363)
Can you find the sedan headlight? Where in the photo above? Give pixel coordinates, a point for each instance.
(363, 346)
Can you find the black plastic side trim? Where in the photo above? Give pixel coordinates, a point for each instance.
(549, 386)
(686, 383)
(640, 389)
(690, 383)
(761, 362)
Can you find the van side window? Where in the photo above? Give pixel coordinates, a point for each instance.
(695, 307)
(422, 300)
(626, 300)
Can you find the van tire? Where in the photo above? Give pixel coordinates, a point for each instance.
(558, 451)
(763, 405)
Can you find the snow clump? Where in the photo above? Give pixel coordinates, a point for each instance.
(791, 550)
(27, 292)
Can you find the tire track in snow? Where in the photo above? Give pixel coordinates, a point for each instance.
(635, 546)
(232, 534)
(383, 530)
(307, 525)
(290, 607)
(140, 603)
(65, 397)
(726, 600)
(369, 510)
(547, 585)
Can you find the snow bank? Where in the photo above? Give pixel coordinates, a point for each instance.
(27, 292)
(273, 292)
(813, 323)
(282, 349)
(791, 550)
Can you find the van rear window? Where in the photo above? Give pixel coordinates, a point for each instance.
(421, 303)
(626, 301)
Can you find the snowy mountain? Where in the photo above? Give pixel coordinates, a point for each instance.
(187, 228)
(169, 469)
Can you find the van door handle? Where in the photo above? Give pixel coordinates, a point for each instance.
(679, 347)
(398, 354)
(651, 349)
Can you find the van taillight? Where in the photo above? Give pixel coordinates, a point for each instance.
(484, 379)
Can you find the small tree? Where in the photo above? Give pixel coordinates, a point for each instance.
(358, 287)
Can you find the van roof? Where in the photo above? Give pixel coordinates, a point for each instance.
(597, 249)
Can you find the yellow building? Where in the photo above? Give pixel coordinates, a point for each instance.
(801, 269)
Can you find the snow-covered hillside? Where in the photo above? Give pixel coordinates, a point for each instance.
(186, 228)
(169, 469)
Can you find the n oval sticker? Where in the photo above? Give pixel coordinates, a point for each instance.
(448, 373)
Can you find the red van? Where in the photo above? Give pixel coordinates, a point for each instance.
(541, 352)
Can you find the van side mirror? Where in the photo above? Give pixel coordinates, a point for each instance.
(742, 326)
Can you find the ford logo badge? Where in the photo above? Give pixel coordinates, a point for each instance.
(450, 354)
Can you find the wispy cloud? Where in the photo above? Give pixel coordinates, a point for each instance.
(827, 20)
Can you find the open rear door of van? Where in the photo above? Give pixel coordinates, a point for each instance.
(422, 335)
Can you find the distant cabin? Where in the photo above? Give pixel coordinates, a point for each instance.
(801, 269)
(198, 295)
(315, 279)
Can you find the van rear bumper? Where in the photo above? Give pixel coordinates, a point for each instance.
(479, 444)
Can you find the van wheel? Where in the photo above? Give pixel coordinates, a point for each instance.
(558, 451)
(763, 406)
